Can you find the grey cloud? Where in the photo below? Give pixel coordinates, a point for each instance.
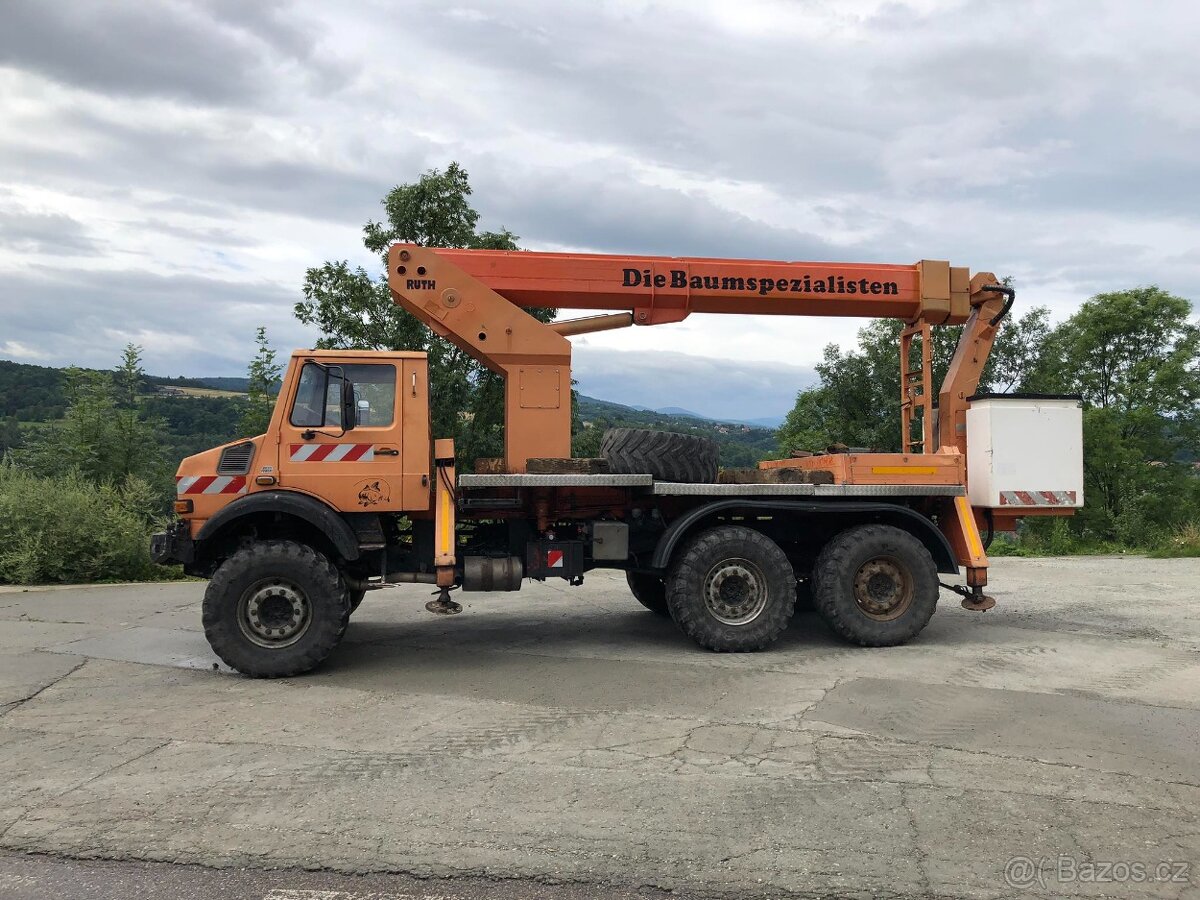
(218, 52)
(124, 156)
(718, 388)
(187, 324)
(608, 211)
(51, 233)
(1050, 141)
(674, 89)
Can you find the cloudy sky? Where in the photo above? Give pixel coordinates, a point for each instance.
(169, 168)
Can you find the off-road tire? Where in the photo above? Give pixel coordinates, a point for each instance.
(715, 553)
(649, 591)
(685, 458)
(356, 598)
(302, 567)
(841, 562)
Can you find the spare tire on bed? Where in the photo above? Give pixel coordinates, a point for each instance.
(667, 456)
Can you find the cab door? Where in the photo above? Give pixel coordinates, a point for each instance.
(357, 469)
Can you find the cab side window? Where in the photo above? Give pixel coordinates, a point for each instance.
(318, 395)
(374, 394)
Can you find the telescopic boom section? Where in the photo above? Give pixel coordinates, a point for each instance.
(476, 299)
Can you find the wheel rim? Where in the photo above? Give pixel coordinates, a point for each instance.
(735, 592)
(883, 588)
(274, 613)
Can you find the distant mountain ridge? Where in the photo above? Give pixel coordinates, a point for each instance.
(764, 422)
(203, 412)
(233, 383)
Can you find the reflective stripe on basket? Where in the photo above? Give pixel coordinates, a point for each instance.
(1037, 498)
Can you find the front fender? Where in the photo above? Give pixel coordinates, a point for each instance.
(289, 503)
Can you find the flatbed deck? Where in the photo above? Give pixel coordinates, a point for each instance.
(670, 488)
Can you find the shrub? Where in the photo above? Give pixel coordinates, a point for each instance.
(65, 529)
(1185, 541)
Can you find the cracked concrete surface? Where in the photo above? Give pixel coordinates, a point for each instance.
(568, 736)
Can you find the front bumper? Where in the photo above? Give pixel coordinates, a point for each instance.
(175, 545)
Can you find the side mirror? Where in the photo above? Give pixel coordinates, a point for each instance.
(364, 412)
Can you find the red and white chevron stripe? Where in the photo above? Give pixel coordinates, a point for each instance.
(210, 484)
(332, 452)
(1037, 498)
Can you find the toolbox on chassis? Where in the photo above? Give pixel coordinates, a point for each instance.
(348, 491)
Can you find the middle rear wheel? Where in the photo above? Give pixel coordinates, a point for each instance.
(732, 589)
(649, 591)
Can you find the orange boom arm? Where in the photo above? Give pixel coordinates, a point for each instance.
(659, 289)
(475, 299)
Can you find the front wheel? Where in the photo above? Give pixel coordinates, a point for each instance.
(732, 589)
(875, 585)
(275, 608)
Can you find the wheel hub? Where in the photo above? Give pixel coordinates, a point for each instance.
(274, 613)
(883, 588)
(735, 592)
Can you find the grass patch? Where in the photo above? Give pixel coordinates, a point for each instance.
(1184, 541)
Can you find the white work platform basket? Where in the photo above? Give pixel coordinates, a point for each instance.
(1024, 451)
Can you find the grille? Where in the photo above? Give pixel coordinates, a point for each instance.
(235, 460)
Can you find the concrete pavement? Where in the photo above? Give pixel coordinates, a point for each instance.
(567, 736)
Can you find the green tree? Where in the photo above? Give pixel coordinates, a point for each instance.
(353, 308)
(1134, 356)
(263, 373)
(103, 435)
(10, 435)
(135, 446)
(856, 400)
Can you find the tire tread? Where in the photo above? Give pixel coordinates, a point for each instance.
(687, 577)
(224, 635)
(838, 608)
(668, 456)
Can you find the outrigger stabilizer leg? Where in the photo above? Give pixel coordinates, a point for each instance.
(442, 605)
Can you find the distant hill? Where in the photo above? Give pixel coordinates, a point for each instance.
(767, 422)
(201, 412)
(237, 384)
(741, 443)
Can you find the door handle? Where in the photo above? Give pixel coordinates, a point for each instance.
(387, 451)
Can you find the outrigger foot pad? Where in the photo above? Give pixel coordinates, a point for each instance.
(981, 603)
(442, 605)
(974, 598)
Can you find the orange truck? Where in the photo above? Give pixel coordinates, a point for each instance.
(348, 491)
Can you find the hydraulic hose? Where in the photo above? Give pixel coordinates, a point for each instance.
(1010, 295)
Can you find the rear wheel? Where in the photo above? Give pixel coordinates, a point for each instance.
(356, 598)
(875, 585)
(275, 608)
(649, 591)
(732, 589)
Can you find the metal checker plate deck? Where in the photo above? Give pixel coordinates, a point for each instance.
(527, 480)
(808, 490)
(666, 488)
